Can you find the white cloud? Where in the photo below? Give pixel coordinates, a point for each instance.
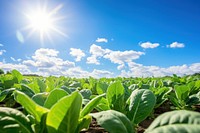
(120, 67)
(93, 60)
(78, 53)
(101, 73)
(149, 45)
(46, 52)
(117, 57)
(1, 45)
(102, 40)
(15, 60)
(29, 62)
(2, 51)
(97, 50)
(139, 70)
(47, 58)
(20, 67)
(176, 45)
(122, 57)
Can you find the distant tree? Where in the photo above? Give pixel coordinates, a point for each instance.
(1, 71)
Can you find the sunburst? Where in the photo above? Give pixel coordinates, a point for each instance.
(43, 22)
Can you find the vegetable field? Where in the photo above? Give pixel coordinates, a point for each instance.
(34, 104)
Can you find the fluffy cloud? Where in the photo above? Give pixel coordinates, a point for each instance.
(2, 51)
(96, 52)
(9, 66)
(176, 45)
(1, 45)
(78, 53)
(93, 60)
(47, 58)
(120, 67)
(78, 72)
(117, 57)
(102, 40)
(46, 52)
(101, 73)
(139, 70)
(149, 45)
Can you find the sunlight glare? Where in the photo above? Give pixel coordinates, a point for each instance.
(41, 21)
(44, 22)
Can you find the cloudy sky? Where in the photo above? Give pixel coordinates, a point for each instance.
(100, 38)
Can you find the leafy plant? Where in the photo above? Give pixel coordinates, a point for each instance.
(182, 98)
(176, 122)
(61, 114)
(12, 120)
(114, 121)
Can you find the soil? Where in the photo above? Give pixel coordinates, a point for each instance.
(94, 128)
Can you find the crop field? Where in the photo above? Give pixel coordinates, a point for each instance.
(33, 104)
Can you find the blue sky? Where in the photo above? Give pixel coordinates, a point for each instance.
(102, 37)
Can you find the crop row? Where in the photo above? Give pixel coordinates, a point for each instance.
(32, 104)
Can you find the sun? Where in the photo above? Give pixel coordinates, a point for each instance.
(43, 22)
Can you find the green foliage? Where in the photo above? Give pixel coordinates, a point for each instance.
(115, 96)
(90, 105)
(101, 87)
(114, 121)
(62, 117)
(53, 97)
(17, 75)
(140, 105)
(176, 121)
(12, 120)
(40, 98)
(86, 93)
(34, 109)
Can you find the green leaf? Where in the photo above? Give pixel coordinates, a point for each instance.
(27, 90)
(40, 98)
(178, 121)
(101, 87)
(182, 92)
(63, 116)
(54, 97)
(86, 93)
(113, 121)
(103, 105)
(12, 120)
(115, 96)
(36, 110)
(91, 105)
(4, 93)
(16, 74)
(141, 104)
(34, 86)
(50, 84)
(42, 85)
(84, 123)
(66, 89)
(179, 128)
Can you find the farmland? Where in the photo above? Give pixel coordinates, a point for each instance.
(34, 104)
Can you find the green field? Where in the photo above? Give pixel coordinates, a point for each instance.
(35, 104)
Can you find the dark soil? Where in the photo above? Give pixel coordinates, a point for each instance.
(94, 128)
